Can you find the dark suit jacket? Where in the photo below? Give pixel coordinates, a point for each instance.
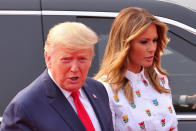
(42, 107)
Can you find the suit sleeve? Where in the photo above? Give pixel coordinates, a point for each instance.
(16, 118)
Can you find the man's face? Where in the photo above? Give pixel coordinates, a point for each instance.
(69, 67)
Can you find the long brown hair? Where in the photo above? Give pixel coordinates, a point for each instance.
(128, 25)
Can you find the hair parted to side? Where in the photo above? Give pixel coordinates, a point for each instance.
(74, 35)
(129, 23)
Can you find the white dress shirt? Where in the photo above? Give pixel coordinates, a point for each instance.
(150, 111)
(86, 103)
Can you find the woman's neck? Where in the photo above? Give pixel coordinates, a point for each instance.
(135, 69)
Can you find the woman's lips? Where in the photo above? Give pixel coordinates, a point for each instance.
(149, 59)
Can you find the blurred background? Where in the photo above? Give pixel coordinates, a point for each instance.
(191, 4)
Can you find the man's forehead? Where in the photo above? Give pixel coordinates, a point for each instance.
(71, 47)
(71, 50)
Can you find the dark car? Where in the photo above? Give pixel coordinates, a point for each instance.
(24, 25)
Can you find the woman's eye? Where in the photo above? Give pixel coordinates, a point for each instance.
(144, 42)
(155, 40)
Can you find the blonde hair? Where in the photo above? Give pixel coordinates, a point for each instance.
(127, 26)
(74, 35)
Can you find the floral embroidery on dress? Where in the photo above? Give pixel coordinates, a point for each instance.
(155, 102)
(125, 118)
(170, 109)
(145, 82)
(171, 129)
(138, 93)
(162, 80)
(163, 122)
(142, 125)
(148, 112)
(133, 105)
(116, 98)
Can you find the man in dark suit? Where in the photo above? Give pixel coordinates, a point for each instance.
(51, 102)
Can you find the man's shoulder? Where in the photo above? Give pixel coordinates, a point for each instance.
(96, 86)
(26, 95)
(30, 93)
(93, 82)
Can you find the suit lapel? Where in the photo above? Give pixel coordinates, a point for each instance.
(65, 110)
(61, 105)
(95, 102)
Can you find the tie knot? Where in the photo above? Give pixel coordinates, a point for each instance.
(75, 94)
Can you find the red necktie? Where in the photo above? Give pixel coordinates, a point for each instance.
(82, 114)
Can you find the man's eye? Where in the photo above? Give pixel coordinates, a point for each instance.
(82, 58)
(66, 59)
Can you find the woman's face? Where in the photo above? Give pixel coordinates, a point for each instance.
(143, 49)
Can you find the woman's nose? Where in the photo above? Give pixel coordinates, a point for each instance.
(152, 46)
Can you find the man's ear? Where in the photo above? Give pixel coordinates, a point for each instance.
(47, 59)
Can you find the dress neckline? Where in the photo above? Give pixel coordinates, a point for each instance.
(134, 76)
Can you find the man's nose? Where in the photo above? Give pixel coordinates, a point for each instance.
(74, 66)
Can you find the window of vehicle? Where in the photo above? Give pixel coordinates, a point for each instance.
(177, 60)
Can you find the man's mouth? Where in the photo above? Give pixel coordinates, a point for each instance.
(74, 78)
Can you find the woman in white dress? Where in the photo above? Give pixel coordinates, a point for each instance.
(138, 88)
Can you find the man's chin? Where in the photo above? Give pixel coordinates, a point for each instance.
(72, 87)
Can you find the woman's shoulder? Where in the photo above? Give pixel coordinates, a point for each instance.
(163, 79)
(106, 84)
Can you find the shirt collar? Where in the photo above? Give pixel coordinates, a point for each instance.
(134, 76)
